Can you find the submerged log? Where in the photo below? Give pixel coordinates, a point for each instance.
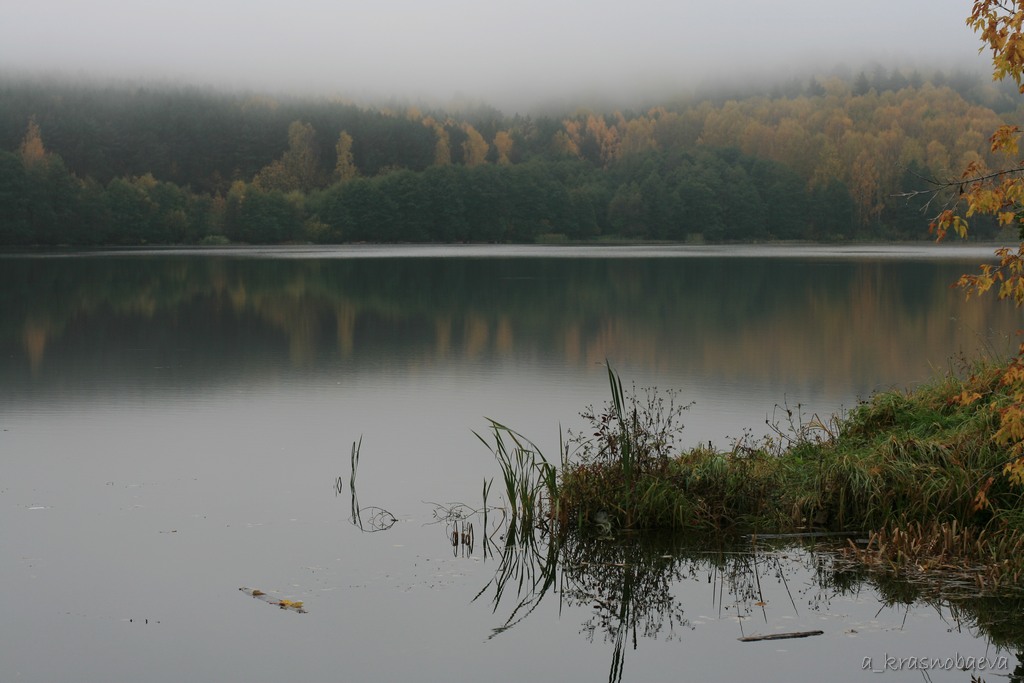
(807, 534)
(781, 636)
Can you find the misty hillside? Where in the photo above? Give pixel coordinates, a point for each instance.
(810, 159)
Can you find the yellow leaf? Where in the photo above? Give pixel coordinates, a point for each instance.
(966, 398)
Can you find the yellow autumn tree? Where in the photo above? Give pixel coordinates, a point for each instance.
(997, 192)
(475, 148)
(443, 147)
(604, 137)
(562, 143)
(503, 145)
(567, 141)
(31, 150)
(637, 136)
(298, 168)
(345, 168)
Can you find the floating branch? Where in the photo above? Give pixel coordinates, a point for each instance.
(293, 605)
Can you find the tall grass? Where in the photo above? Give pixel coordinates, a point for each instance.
(622, 468)
(628, 426)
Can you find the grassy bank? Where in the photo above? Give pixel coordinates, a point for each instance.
(917, 473)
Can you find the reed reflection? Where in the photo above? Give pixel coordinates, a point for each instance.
(366, 519)
(630, 587)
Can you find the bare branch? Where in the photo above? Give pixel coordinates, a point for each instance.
(955, 185)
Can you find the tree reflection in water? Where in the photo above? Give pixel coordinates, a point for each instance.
(630, 587)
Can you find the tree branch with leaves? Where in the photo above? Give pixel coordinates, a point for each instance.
(999, 193)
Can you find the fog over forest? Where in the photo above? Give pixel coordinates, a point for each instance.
(317, 122)
(511, 56)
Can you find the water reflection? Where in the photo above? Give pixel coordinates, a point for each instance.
(234, 386)
(631, 589)
(823, 322)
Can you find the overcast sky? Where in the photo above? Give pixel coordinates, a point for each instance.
(532, 49)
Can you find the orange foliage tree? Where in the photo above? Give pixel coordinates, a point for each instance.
(998, 192)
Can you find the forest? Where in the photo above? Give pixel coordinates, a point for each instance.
(822, 159)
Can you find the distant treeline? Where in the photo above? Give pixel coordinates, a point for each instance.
(820, 160)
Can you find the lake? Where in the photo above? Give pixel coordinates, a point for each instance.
(177, 424)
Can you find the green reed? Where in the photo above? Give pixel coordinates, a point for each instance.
(531, 482)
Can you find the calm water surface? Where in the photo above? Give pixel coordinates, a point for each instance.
(174, 424)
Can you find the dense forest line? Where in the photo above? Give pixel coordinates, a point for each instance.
(820, 159)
